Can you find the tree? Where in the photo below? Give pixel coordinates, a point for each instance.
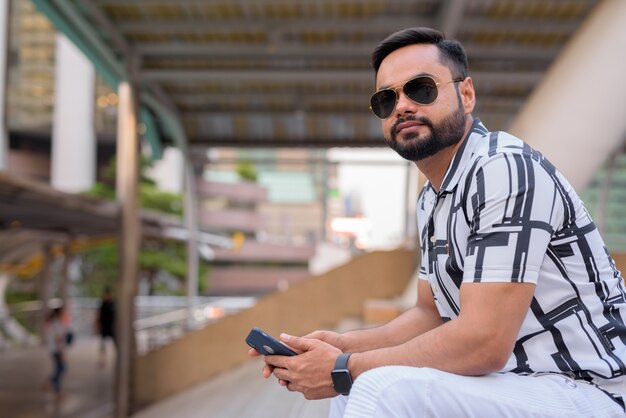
(157, 258)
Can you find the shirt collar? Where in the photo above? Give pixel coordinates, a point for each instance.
(463, 156)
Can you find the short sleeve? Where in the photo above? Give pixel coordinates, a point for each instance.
(513, 207)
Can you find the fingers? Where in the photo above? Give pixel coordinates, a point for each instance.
(277, 361)
(253, 353)
(267, 370)
(330, 337)
(284, 376)
(318, 335)
(299, 343)
(283, 382)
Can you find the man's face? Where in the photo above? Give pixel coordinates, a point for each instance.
(413, 130)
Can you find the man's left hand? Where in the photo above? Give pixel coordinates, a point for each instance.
(309, 372)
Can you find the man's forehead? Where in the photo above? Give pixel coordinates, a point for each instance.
(409, 61)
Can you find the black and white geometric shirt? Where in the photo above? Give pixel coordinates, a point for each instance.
(505, 214)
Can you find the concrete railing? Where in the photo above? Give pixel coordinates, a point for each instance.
(319, 302)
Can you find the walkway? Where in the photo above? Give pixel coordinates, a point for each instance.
(88, 389)
(241, 392)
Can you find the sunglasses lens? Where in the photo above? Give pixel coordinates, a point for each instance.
(422, 90)
(383, 102)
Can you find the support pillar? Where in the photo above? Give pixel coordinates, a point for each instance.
(573, 117)
(65, 276)
(73, 138)
(129, 245)
(4, 50)
(191, 222)
(44, 287)
(4, 310)
(5, 278)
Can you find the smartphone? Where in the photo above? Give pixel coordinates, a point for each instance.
(266, 344)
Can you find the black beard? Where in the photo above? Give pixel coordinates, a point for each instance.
(446, 134)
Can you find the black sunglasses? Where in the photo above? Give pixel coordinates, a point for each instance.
(421, 90)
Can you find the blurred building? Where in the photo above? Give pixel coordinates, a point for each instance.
(273, 198)
(32, 51)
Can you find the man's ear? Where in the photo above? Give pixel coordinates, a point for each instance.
(468, 95)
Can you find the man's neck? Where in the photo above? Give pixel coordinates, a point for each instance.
(435, 167)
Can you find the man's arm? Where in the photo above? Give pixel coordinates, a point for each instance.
(479, 341)
(413, 322)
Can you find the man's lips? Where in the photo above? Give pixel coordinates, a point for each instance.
(407, 125)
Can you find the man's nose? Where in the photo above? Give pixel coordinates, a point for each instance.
(404, 104)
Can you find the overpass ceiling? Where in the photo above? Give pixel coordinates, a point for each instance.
(297, 73)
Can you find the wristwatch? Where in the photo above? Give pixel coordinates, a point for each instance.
(342, 379)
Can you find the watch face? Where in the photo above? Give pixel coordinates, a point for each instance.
(342, 381)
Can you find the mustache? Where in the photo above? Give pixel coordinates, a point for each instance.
(420, 119)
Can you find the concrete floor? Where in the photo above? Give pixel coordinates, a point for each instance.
(241, 392)
(88, 389)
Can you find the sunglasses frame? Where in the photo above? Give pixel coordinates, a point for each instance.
(403, 85)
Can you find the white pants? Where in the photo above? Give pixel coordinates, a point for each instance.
(398, 391)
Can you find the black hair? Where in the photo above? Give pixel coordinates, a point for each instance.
(55, 313)
(451, 52)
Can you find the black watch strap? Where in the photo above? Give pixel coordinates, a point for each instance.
(341, 376)
(342, 361)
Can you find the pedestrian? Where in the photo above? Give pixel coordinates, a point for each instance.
(55, 340)
(105, 324)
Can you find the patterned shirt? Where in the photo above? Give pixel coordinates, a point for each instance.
(505, 214)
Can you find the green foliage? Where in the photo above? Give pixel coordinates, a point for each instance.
(246, 170)
(109, 173)
(169, 257)
(99, 268)
(101, 190)
(151, 197)
(12, 296)
(100, 264)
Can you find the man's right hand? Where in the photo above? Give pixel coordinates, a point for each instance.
(333, 338)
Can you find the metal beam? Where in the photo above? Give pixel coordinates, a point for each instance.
(295, 99)
(238, 76)
(140, 3)
(306, 76)
(97, 46)
(449, 21)
(380, 24)
(111, 29)
(69, 20)
(450, 17)
(272, 142)
(294, 50)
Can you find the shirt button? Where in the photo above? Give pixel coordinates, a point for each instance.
(433, 239)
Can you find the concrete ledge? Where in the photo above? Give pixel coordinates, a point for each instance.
(318, 302)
